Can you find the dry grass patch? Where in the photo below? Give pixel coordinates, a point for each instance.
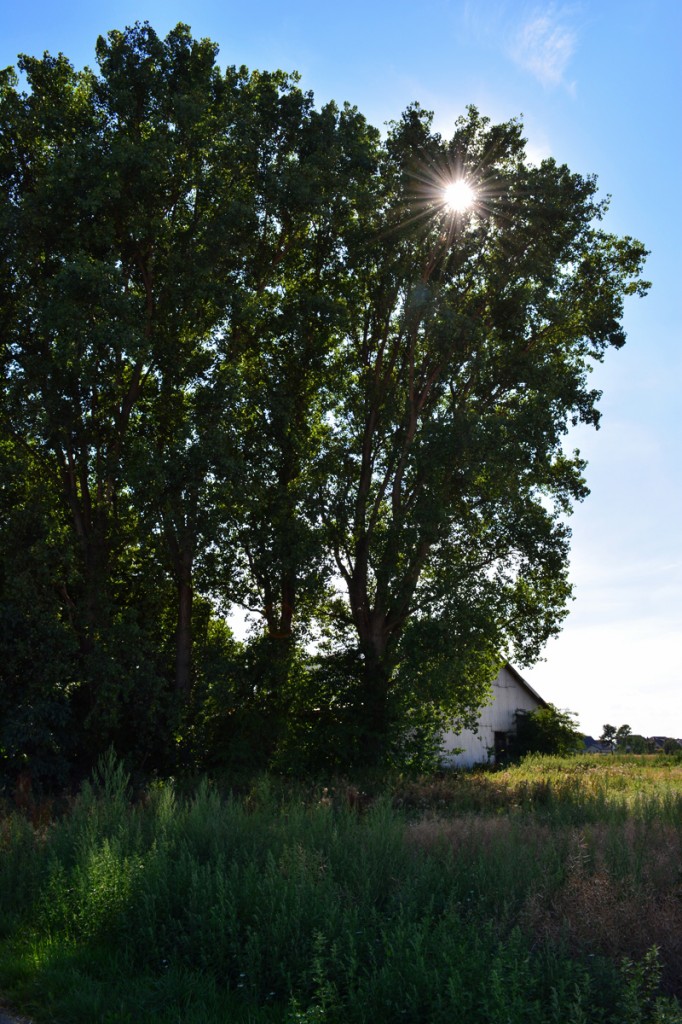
(622, 895)
(612, 889)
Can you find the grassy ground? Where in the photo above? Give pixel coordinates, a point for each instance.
(550, 893)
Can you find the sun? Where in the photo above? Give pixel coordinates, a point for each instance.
(458, 196)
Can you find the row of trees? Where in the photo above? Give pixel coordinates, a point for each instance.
(623, 739)
(252, 360)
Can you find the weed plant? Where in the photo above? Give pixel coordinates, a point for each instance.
(541, 895)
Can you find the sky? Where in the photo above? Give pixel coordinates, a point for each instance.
(598, 86)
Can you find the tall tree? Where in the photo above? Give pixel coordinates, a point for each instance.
(468, 345)
(125, 215)
(314, 170)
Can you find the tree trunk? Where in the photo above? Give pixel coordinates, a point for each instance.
(96, 616)
(183, 637)
(375, 724)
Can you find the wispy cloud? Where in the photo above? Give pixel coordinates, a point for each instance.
(544, 45)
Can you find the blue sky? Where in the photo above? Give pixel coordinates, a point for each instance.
(599, 87)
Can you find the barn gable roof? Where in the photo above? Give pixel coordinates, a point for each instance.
(524, 685)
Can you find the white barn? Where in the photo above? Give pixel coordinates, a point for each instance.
(511, 693)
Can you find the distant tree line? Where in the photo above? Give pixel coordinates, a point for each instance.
(623, 740)
(252, 361)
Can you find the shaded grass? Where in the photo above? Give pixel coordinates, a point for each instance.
(534, 895)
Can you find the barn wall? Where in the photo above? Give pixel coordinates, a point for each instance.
(477, 747)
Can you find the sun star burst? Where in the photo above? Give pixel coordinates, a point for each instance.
(459, 196)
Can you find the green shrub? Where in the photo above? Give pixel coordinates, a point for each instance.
(547, 730)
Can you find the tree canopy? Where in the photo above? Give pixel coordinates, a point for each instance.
(253, 358)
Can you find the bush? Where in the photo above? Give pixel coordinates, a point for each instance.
(545, 731)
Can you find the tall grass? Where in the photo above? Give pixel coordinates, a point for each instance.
(573, 790)
(439, 901)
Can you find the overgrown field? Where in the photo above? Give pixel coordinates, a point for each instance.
(550, 893)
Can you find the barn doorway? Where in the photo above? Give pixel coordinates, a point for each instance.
(501, 747)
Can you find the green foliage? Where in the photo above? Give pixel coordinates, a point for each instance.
(37, 669)
(547, 730)
(248, 358)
